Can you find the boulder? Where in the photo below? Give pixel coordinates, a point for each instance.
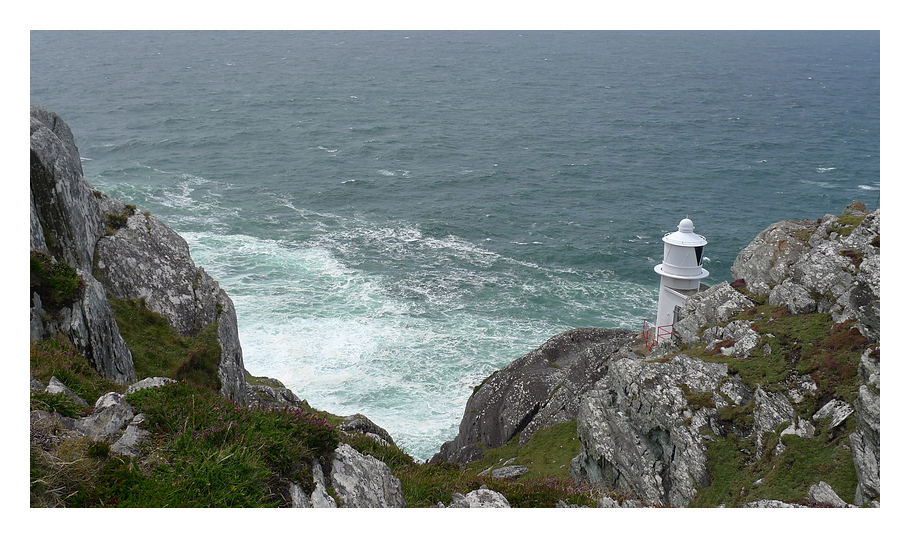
(362, 481)
(134, 434)
(538, 390)
(836, 410)
(54, 386)
(771, 410)
(361, 424)
(149, 383)
(111, 414)
(825, 494)
(509, 472)
(271, 393)
(480, 498)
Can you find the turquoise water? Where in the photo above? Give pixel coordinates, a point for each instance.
(398, 214)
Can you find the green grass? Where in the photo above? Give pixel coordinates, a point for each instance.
(805, 344)
(204, 451)
(159, 350)
(57, 357)
(547, 454)
(57, 283)
(847, 223)
(787, 477)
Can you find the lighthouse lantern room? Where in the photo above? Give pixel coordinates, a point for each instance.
(680, 275)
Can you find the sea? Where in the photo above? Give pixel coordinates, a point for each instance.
(398, 214)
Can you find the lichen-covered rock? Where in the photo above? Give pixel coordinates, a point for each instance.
(765, 262)
(119, 251)
(149, 383)
(66, 222)
(796, 298)
(65, 219)
(836, 410)
(144, 259)
(829, 266)
(111, 414)
(771, 410)
(271, 396)
(639, 433)
(362, 481)
(509, 472)
(865, 440)
(709, 308)
(538, 390)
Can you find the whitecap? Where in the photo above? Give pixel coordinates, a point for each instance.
(869, 188)
(822, 170)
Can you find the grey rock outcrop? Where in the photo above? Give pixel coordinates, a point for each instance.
(823, 493)
(54, 386)
(708, 309)
(829, 265)
(319, 498)
(144, 259)
(865, 440)
(509, 472)
(362, 481)
(132, 436)
(538, 390)
(66, 222)
(116, 251)
(639, 433)
(765, 262)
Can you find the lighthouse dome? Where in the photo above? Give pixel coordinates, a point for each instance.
(686, 235)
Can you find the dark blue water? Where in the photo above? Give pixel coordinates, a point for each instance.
(398, 214)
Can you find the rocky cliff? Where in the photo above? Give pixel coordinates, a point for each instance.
(762, 376)
(120, 252)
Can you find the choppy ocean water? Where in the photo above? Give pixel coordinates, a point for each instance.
(398, 214)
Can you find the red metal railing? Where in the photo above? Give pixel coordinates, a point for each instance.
(654, 335)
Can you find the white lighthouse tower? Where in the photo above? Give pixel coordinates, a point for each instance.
(680, 275)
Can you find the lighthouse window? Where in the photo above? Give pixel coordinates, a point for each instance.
(698, 254)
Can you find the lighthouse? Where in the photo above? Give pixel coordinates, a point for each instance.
(680, 275)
